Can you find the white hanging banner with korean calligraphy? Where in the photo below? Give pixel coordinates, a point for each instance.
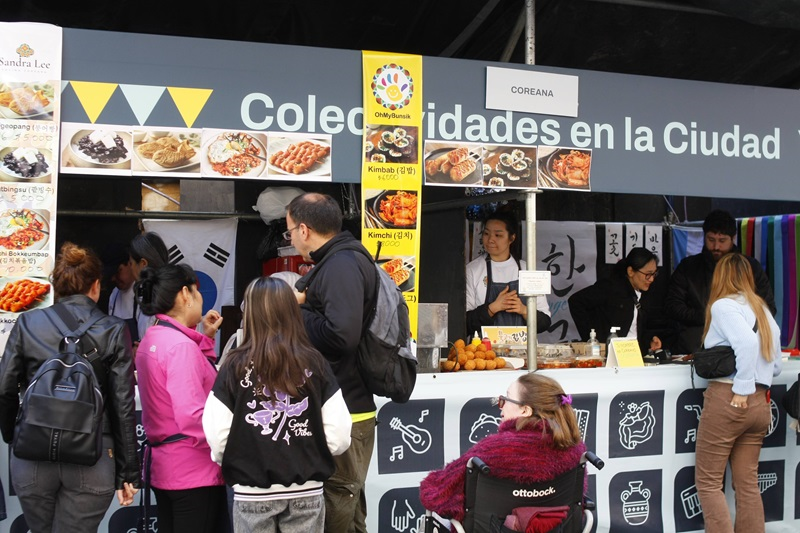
(634, 237)
(614, 243)
(569, 251)
(654, 239)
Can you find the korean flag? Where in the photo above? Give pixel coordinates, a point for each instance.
(208, 246)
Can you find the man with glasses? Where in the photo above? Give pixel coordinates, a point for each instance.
(690, 284)
(335, 297)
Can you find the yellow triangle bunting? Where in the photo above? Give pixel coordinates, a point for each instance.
(93, 96)
(189, 102)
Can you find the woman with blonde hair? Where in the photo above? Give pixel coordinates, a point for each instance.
(736, 410)
(538, 440)
(276, 417)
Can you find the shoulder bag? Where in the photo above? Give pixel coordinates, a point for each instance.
(715, 362)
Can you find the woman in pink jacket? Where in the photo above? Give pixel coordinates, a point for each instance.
(175, 364)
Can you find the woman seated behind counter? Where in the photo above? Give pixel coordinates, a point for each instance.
(619, 300)
(493, 281)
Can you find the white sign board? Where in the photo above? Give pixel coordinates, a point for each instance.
(531, 92)
(534, 282)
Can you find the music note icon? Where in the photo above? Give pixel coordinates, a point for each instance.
(396, 451)
(423, 414)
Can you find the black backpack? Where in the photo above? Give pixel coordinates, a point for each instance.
(385, 359)
(61, 415)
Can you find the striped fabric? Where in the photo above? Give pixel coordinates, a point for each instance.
(773, 240)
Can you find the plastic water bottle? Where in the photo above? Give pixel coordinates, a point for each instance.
(612, 334)
(594, 345)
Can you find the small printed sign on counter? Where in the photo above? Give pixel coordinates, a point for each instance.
(624, 352)
(534, 282)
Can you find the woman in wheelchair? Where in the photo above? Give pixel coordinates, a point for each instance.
(538, 440)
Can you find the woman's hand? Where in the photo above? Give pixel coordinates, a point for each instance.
(739, 401)
(505, 301)
(655, 344)
(211, 323)
(125, 495)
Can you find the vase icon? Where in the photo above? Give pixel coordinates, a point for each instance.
(635, 503)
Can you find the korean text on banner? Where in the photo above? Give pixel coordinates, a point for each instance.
(30, 90)
(391, 172)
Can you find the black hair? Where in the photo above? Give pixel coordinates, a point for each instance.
(157, 287)
(638, 257)
(719, 221)
(149, 246)
(319, 212)
(507, 218)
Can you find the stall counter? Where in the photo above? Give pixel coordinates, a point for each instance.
(641, 421)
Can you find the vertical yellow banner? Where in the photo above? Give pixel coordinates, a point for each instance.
(391, 172)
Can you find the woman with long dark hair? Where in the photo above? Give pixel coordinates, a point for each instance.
(276, 417)
(736, 409)
(57, 496)
(620, 300)
(175, 363)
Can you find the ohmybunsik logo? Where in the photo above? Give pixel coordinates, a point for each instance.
(524, 493)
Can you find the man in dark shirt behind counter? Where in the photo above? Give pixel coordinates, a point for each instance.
(690, 284)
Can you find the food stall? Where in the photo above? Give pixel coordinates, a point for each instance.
(124, 90)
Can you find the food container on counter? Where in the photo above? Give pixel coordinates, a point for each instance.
(582, 348)
(587, 361)
(560, 361)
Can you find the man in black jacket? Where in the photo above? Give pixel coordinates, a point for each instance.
(334, 303)
(690, 284)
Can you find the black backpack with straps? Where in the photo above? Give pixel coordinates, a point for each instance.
(61, 414)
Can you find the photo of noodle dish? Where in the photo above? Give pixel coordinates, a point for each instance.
(565, 168)
(18, 295)
(23, 229)
(25, 100)
(234, 154)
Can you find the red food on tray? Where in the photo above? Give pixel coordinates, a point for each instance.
(18, 295)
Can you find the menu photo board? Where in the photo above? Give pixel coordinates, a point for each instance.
(30, 71)
(391, 175)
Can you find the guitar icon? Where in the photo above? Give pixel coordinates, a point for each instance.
(417, 439)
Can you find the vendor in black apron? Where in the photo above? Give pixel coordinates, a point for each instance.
(493, 281)
(121, 302)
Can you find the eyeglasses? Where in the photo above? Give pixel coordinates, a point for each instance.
(287, 235)
(500, 401)
(649, 276)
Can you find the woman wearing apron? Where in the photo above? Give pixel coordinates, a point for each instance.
(493, 281)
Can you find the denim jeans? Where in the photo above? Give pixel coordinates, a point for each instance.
(734, 434)
(345, 499)
(296, 515)
(64, 497)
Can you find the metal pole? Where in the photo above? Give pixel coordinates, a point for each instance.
(530, 32)
(530, 200)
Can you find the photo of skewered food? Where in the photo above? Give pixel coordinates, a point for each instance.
(390, 144)
(293, 156)
(453, 165)
(564, 168)
(19, 295)
(401, 270)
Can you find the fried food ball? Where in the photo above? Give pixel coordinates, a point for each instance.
(500, 362)
(459, 343)
(469, 365)
(448, 365)
(462, 358)
(470, 348)
(491, 364)
(490, 354)
(480, 364)
(470, 356)
(480, 348)
(480, 355)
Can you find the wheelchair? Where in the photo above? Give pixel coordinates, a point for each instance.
(488, 500)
